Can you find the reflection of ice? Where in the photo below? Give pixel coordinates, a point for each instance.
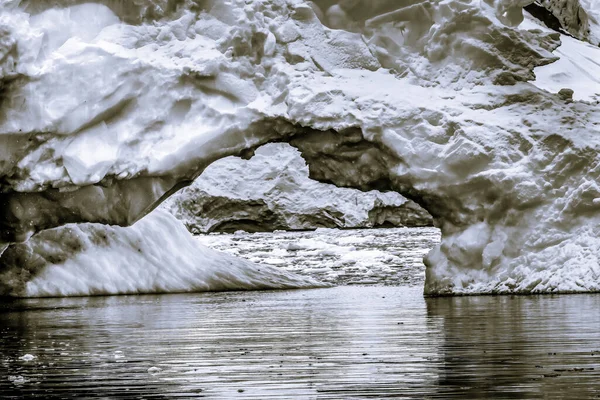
(336, 343)
(17, 379)
(362, 256)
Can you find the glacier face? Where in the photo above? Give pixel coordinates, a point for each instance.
(272, 191)
(102, 121)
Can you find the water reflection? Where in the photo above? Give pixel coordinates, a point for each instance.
(519, 346)
(345, 342)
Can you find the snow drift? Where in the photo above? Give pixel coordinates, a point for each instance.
(272, 191)
(108, 109)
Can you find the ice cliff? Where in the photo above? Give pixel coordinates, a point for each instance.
(109, 108)
(272, 191)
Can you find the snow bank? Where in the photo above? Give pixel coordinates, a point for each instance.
(156, 255)
(430, 99)
(272, 191)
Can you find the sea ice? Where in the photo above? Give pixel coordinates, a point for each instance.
(154, 370)
(17, 379)
(391, 256)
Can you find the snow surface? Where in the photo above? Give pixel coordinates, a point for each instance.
(578, 67)
(273, 191)
(431, 100)
(156, 255)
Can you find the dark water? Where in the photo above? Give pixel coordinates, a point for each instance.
(339, 343)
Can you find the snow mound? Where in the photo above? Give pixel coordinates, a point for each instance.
(272, 191)
(430, 99)
(156, 255)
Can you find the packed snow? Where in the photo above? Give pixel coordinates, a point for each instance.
(578, 67)
(103, 119)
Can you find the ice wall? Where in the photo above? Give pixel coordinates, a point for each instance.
(427, 98)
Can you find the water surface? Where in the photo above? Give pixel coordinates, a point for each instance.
(342, 257)
(344, 342)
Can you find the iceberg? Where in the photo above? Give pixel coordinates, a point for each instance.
(102, 121)
(155, 255)
(272, 191)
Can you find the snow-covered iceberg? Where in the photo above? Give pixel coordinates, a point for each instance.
(108, 109)
(155, 255)
(272, 191)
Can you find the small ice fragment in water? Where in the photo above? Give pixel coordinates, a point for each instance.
(17, 379)
(119, 356)
(154, 370)
(27, 357)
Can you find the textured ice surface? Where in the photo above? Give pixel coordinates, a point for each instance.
(391, 256)
(272, 191)
(431, 99)
(156, 255)
(580, 18)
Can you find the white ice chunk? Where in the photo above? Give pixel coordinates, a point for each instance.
(156, 255)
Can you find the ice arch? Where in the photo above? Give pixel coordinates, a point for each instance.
(430, 99)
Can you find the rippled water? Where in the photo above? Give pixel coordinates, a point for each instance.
(345, 342)
(361, 341)
(342, 257)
